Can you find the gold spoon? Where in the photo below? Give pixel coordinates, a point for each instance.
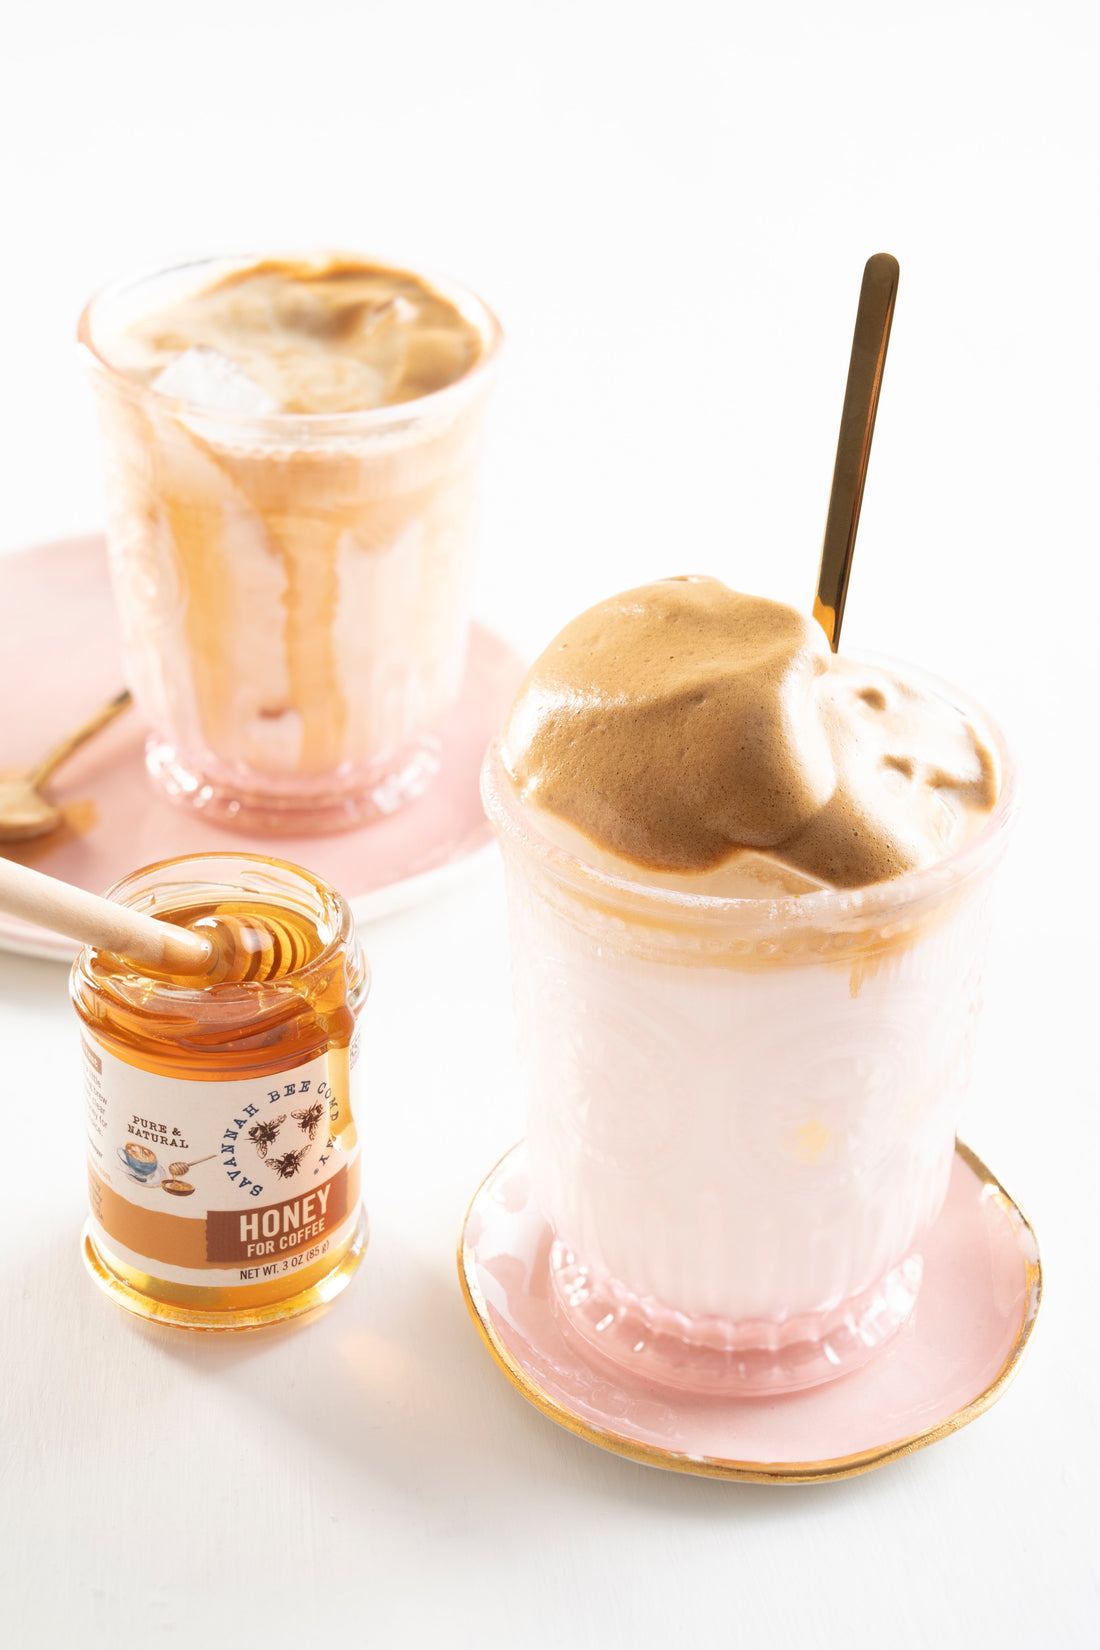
(853, 449)
(24, 811)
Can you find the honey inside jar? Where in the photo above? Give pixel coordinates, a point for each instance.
(223, 1151)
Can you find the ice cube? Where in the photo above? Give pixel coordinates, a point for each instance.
(211, 380)
(386, 332)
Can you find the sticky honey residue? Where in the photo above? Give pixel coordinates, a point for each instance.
(77, 819)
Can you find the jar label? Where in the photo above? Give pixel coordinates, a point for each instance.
(221, 1184)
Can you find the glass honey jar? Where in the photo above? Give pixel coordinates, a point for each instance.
(223, 1155)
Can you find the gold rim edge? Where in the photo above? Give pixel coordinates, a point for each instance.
(755, 1472)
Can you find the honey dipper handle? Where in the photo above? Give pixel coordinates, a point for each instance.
(100, 922)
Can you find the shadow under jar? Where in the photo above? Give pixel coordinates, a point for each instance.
(292, 585)
(223, 1151)
(741, 1112)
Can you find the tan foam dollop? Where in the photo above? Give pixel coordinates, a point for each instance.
(324, 335)
(681, 727)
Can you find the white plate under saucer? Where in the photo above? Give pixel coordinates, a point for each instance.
(60, 659)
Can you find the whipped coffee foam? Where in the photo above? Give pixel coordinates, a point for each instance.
(693, 735)
(324, 335)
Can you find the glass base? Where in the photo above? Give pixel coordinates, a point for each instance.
(295, 812)
(711, 1355)
(186, 1312)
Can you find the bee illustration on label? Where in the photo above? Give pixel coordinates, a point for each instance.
(265, 1133)
(289, 1164)
(308, 1119)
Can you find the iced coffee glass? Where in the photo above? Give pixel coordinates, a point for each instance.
(292, 586)
(741, 1112)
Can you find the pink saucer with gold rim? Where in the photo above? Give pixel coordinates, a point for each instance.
(954, 1358)
(60, 659)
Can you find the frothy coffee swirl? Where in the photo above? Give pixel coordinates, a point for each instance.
(682, 725)
(330, 334)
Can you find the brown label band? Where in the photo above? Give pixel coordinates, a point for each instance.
(226, 1238)
(240, 1237)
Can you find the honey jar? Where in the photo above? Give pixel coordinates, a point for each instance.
(223, 1155)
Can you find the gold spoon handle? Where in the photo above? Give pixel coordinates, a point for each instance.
(853, 449)
(60, 753)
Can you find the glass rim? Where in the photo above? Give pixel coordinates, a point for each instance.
(515, 824)
(243, 989)
(359, 421)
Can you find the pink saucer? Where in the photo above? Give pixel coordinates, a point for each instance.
(954, 1358)
(59, 660)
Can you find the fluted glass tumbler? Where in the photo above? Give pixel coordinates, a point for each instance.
(741, 1112)
(292, 588)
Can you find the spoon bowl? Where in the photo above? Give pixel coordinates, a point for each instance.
(24, 812)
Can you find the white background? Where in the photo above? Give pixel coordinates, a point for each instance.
(669, 206)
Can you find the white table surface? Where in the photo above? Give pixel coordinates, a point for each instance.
(670, 207)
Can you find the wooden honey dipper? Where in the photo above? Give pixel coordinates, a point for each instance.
(216, 950)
